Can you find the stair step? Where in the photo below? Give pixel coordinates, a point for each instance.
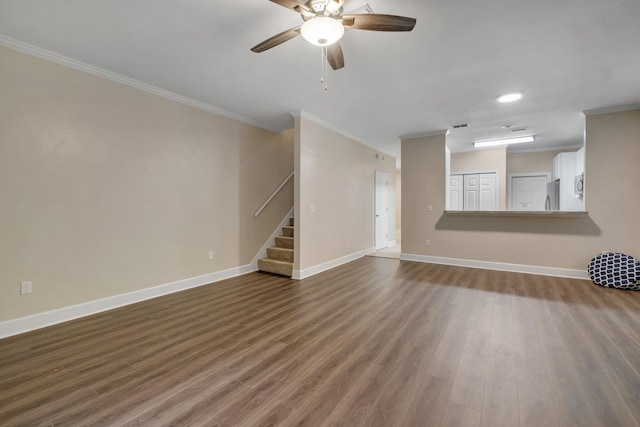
(291, 221)
(276, 267)
(280, 254)
(284, 242)
(288, 231)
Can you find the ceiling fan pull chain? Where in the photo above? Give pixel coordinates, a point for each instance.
(322, 66)
(325, 69)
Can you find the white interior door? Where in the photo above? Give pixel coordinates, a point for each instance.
(488, 198)
(381, 210)
(528, 193)
(455, 193)
(471, 192)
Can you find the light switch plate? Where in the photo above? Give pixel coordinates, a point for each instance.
(25, 288)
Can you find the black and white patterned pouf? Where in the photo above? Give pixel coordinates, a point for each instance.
(615, 270)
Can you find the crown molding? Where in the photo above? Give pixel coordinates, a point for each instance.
(320, 122)
(23, 47)
(424, 134)
(551, 148)
(614, 109)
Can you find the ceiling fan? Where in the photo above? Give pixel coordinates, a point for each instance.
(324, 24)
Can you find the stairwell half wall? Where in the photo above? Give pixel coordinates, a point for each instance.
(334, 196)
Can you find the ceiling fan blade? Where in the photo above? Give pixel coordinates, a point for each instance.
(378, 22)
(276, 40)
(295, 6)
(289, 4)
(335, 56)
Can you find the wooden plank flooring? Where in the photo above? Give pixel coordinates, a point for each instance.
(377, 342)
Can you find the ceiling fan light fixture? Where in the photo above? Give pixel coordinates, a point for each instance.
(322, 30)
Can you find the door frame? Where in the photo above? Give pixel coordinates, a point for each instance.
(520, 175)
(385, 199)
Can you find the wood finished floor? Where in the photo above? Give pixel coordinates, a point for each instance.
(377, 342)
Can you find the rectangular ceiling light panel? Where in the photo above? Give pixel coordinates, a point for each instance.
(506, 141)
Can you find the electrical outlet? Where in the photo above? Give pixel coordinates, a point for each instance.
(210, 255)
(25, 288)
(430, 208)
(427, 242)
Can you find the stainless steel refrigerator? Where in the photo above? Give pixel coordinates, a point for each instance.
(553, 196)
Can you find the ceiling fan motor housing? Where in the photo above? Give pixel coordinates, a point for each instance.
(331, 8)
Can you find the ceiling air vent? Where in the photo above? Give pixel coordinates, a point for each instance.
(517, 129)
(463, 125)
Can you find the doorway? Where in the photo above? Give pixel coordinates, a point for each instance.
(381, 219)
(528, 191)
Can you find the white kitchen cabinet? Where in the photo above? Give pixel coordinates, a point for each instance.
(580, 158)
(564, 170)
(563, 163)
(557, 167)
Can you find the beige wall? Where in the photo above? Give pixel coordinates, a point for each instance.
(612, 199)
(612, 179)
(478, 160)
(423, 184)
(106, 189)
(539, 161)
(484, 160)
(336, 175)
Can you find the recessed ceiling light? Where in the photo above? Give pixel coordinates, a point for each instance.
(507, 141)
(510, 97)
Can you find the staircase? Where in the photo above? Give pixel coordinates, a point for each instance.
(279, 258)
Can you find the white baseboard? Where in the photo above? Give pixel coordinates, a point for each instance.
(502, 266)
(270, 241)
(48, 318)
(310, 271)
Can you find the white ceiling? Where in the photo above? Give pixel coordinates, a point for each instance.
(565, 55)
